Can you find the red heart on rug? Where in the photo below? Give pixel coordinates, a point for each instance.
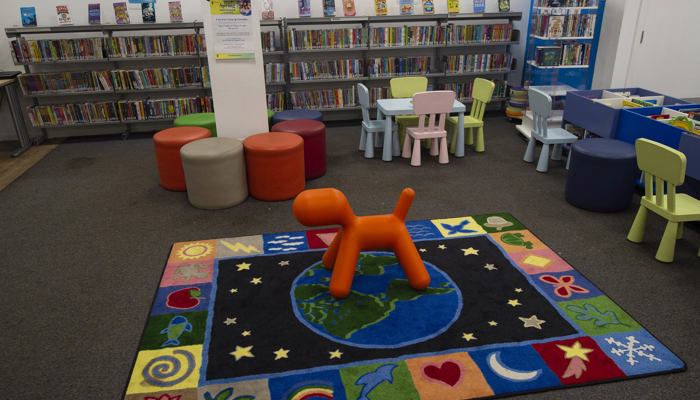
(449, 372)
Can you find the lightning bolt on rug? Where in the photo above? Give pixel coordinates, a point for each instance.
(251, 318)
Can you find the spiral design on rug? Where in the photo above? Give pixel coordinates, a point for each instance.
(169, 370)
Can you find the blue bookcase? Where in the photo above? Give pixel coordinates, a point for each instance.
(562, 42)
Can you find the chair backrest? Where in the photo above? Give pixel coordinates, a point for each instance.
(482, 92)
(407, 86)
(431, 108)
(363, 96)
(541, 107)
(664, 169)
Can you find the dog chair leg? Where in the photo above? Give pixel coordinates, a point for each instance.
(331, 253)
(344, 267)
(411, 262)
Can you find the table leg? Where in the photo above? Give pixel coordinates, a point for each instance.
(18, 120)
(459, 151)
(388, 147)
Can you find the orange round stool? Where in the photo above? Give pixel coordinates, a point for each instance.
(275, 165)
(314, 134)
(167, 145)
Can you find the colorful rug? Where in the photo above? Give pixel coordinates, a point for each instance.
(251, 318)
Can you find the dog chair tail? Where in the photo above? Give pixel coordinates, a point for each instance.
(404, 203)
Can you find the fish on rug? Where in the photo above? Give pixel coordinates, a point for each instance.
(252, 318)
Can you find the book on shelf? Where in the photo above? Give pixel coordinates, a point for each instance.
(267, 11)
(28, 15)
(406, 7)
(479, 5)
(630, 104)
(428, 7)
(503, 5)
(349, 8)
(148, 12)
(329, 8)
(94, 13)
(555, 26)
(548, 56)
(121, 14)
(380, 7)
(63, 15)
(175, 11)
(452, 6)
(304, 8)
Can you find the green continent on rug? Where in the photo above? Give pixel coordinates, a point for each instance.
(252, 318)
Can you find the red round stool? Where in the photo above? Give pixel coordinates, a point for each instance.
(314, 135)
(275, 165)
(167, 144)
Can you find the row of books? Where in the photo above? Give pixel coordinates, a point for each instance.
(557, 26)
(389, 36)
(575, 53)
(309, 70)
(321, 99)
(47, 50)
(397, 66)
(275, 101)
(93, 81)
(478, 63)
(120, 111)
(565, 3)
(464, 89)
(275, 73)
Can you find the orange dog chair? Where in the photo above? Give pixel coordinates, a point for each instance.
(318, 207)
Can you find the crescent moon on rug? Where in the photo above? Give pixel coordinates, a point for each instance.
(494, 360)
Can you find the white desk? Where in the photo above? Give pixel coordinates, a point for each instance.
(388, 107)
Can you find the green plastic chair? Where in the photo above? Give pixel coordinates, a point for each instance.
(482, 91)
(402, 87)
(203, 120)
(664, 169)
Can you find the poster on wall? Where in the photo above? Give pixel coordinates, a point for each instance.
(428, 7)
(304, 8)
(267, 11)
(233, 29)
(452, 6)
(380, 7)
(329, 8)
(349, 8)
(406, 7)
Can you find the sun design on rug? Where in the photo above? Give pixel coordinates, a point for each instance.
(194, 250)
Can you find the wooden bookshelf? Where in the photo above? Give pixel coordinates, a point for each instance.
(317, 62)
(88, 75)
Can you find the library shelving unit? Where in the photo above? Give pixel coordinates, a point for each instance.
(562, 42)
(121, 74)
(315, 63)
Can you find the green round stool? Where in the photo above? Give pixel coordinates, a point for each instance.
(203, 120)
(270, 114)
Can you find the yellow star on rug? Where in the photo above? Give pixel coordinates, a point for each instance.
(243, 266)
(518, 290)
(335, 354)
(233, 290)
(493, 323)
(284, 263)
(490, 267)
(470, 251)
(532, 322)
(422, 250)
(442, 247)
(241, 352)
(230, 321)
(246, 333)
(256, 281)
(575, 351)
(281, 353)
(514, 302)
(468, 336)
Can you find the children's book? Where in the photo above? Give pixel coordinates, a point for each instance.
(452, 6)
(555, 26)
(121, 15)
(63, 15)
(28, 15)
(304, 8)
(479, 6)
(428, 7)
(175, 11)
(503, 5)
(94, 13)
(148, 12)
(349, 8)
(406, 7)
(329, 8)
(548, 56)
(380, 7)
(267, 11)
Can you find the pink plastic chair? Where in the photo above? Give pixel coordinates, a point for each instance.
(431, 108)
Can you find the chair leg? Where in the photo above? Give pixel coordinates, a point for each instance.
(636, 233)
(363, 139)
(556, 152)
(444, 157)
(479, 146)
(395, 144)
(568, 159)
(406, 153)
(453, 140)
(530, 151)
(369, 145)
(434, 150)
(667, 247)
(543, 162)
(680, 230)
(415, 159)
(469, 137)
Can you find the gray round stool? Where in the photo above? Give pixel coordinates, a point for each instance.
(215, 172)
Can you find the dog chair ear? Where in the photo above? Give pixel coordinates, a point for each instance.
(317, 207)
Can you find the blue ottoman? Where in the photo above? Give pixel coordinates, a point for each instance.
(602, 174)
(288, 115)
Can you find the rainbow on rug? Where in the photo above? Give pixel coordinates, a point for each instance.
(251, 318)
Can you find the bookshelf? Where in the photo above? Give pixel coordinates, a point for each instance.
(562, 42)
(316, 62)
(101, 75)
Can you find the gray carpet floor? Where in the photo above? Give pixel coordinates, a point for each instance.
(86, 232)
